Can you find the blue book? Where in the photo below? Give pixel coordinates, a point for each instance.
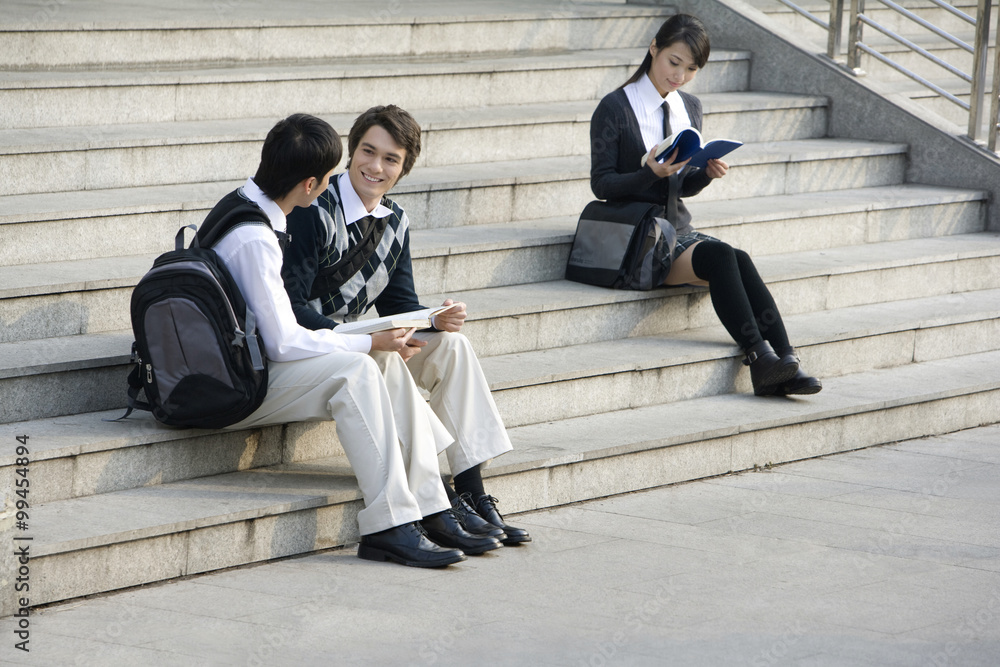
(688, 143)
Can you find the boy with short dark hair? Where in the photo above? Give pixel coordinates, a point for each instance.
(322, 375)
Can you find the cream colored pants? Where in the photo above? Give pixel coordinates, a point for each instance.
(448, 369)
(389, 433)
(393, 452)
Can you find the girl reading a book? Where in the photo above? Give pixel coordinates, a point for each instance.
(625, 131)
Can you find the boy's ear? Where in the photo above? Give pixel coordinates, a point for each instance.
(309, 184)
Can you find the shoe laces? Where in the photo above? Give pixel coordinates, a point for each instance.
(465, 500)
(493, 503)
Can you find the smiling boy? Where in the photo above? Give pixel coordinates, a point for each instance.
(323, 375)
(350, 251)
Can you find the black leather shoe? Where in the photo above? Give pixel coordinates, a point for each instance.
(486, 507)
(799, 384)
(409, 545)
(767, 369)
(472, 522)
(445, 529)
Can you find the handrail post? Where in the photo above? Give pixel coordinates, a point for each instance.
(835, 33)
(853, 51)
(995, 93)
(980, 58)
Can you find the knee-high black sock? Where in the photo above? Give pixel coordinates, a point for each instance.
(762, 303)
(715, 262)
(470, 481)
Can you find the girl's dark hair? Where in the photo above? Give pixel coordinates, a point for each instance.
(298, 147)
(678, 28)
(403, 128)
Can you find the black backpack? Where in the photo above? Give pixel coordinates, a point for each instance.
(199, 359)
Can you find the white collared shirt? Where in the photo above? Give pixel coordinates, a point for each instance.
(354, 210)
(253, 257)
(647, 104)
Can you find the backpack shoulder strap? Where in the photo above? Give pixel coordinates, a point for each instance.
(234, 210)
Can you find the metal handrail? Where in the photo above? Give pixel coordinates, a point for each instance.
(834, 25)
(980, 51)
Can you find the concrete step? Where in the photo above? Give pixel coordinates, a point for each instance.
(92, 295)
(80, 455)
(323, 30)
(71, 374)
(112, 97)
(118, 156)
(593, 378)
(77, 225)
(942, 106)
(125, 538)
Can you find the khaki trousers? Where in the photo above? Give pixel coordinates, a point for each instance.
(448, 369)
(391, 443)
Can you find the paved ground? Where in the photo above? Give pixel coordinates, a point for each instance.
(885, 556)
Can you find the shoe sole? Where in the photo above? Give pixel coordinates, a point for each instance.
(490, 547)
(380, 555)
(804, 391)
(511, 541)
(448, 544)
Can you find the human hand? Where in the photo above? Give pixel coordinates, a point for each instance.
(451, 319)
(716, 168)
(667, 168)
(411, 348)
(393, 340)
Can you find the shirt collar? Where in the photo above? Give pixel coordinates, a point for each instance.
(273, 211)
(354, 210)
(648, 94)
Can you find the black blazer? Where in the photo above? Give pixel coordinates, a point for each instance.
(616, 147)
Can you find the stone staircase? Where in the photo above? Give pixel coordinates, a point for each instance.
(893, 81)
(115, 134)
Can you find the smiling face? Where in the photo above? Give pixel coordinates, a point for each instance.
(672, 67)
(376, 165)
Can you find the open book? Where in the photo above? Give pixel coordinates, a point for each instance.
(421, 319)
(689, 144)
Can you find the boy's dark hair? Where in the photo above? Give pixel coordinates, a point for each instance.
(298, 147)
(403, 128)
(678, 28)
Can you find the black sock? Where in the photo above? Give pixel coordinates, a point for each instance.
(769, 321)
(447, 489)
(470, 481)
(740, 297)
(715, 262)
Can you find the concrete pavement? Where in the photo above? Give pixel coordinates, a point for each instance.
(884, 556)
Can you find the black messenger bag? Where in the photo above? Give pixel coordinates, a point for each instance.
(624, 245)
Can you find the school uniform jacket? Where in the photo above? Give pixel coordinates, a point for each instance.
(617, 148)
